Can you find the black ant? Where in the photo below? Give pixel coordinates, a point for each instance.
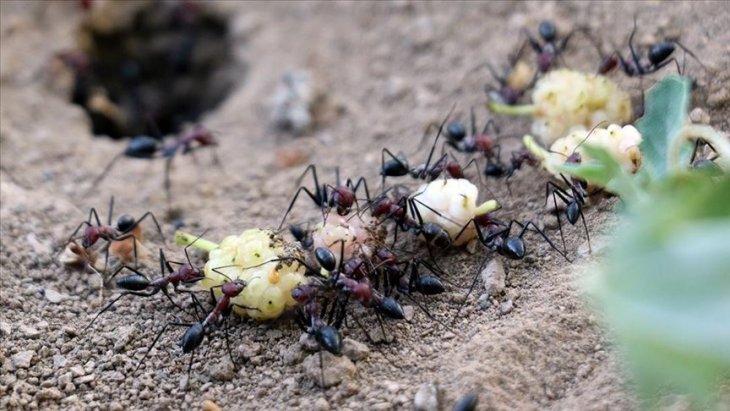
(396, 277)
(657, 56)
(551, 47)
(302, 235)
(475, 142)
(574, 201)
(325, 196)
(137, 283)
(148, 148)
(125, 228)
(398, 166)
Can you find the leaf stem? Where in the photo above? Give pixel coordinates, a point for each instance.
(516, 110)
(186, 239)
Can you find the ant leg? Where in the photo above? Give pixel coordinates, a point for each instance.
(108, 306)
(634, 57)
(536, 47)
(317, 200)
(157, 338)
(438, 134)
(134, 270)
(415, 210)
(542, 233)
(104, 172)
(494, 125)
(134, 248)
(166, 183)
(111, 211)
(157, 224)
(228, 345)
(67, 242)
(471, 287)
(554, 189)
(688, 51)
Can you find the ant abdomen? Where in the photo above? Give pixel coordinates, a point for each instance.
(143, 147)
(134, 282)
(429, 285)
(193, 337)
(513, 248)
(126, 223)
(330, 339)
(660, 52)
(391, 308)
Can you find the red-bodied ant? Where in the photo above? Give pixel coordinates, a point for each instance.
(148, 148)
(657, 56)
(126, 228)
(196, 332)
(138, 283)
(341, 197)
(551, 47)
(476, 142)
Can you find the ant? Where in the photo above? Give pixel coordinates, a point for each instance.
(148, 148)
(574, 201)
(398, 166)
(137, 283)
(481, 142)
(196, 332)
(657, 56)
(551, 47)
(325, 196)
(125, 228)
(387, 260)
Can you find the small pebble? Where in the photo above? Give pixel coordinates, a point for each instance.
(54, 296)
(321, 404)
(494, 277)
(355, 350)
(337, 369)
(209, 405)
(22, 359)
(29, 332)
(427, 398)
(506, 307)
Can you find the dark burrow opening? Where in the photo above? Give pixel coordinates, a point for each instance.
(169, 63)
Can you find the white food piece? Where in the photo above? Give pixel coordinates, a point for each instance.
(451, 203)
(621, 142)
(269, 285)
(357, 234)
(567, 100)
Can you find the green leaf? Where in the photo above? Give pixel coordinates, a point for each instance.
(665, 114)
(665, 289)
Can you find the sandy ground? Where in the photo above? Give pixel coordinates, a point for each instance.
(390, 69)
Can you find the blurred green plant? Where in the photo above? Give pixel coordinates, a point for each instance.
(664, 287)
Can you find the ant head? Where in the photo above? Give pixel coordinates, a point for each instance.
(125, 223)
(514, 248)
(547, 31)
(297, 232)
(573, 212)
(329, 338)
(429, 285)
(573, 158)
(325, 258)
(193, 337)
(391, 309)
(188, 272)
(90, 237)
(660, 52)
(343, 197)
(302, 293)
(233, 288)
(456, 130)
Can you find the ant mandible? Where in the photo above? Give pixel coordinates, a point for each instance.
(124, 229)
(657, 56)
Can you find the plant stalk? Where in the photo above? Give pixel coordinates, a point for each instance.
(186, 239)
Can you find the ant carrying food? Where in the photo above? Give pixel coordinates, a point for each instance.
(658, 56)
(126, 228)
(551, 46)
(149, 148)
(325, 196)
(137, 283)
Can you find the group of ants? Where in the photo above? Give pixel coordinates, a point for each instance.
(374, 282)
